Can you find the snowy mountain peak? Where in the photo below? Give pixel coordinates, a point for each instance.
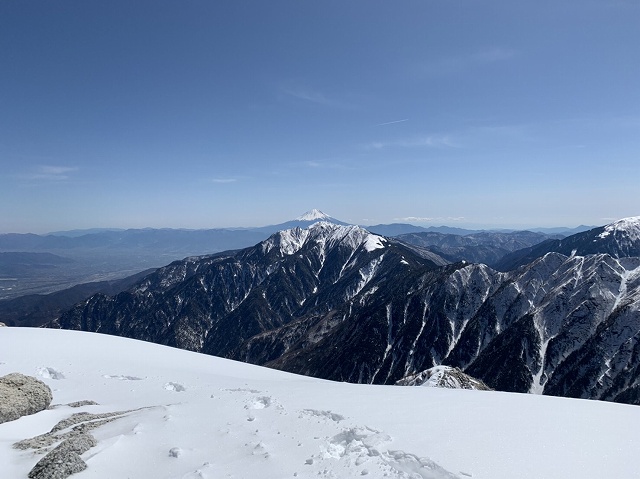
(313, 215)
(325, 234)
(629, 227)
(355, 236)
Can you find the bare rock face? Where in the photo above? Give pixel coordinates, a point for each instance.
(65, 459)
(22, 395)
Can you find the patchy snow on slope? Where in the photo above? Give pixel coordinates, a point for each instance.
(176, 414)
(374, 242)
(325, 236)
(630, 227)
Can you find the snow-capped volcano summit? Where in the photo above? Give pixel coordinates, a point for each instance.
(314, 215)
(307, 219)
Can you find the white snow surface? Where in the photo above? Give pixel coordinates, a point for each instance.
(313, 215)
(206, 417)
(374, 242)
(628, 226)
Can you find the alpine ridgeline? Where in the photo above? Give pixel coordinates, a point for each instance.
(340, 303)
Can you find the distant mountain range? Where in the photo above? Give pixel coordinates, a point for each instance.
(109, 254)
(485, 247)
(341, 303)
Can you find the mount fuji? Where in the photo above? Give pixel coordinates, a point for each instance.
(303, 221)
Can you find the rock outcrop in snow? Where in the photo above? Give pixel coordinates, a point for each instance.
(444, 377)
(22, 395)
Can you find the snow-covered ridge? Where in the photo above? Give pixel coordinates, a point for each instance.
(326, 235)
(313, 215)
(629, 227)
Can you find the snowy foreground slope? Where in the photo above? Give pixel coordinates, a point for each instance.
(198, 416)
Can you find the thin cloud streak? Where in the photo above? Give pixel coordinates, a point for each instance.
(50, 173)
(309, 95)
(326, 165)
(430, 141)
(456, 64)
(223, 180)
(392, 122)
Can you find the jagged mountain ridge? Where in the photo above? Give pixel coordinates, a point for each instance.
(340, 303)
(619, 239)
(215, 304)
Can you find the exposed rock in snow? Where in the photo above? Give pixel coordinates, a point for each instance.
(444, 377)
(22, 395)
(65, 459)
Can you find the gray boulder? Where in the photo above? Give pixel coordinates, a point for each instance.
(22, 395)
(65, 459)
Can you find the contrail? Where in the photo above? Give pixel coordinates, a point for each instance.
(392, 122)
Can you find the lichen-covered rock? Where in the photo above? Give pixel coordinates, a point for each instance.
(22, 395)
(65, 459)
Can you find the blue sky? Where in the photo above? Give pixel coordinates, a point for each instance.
(202, 114)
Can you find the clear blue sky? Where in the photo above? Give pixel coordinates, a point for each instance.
(203, 114)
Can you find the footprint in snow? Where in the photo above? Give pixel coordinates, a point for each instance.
(359, 445)
(200, 473)
(260, 403)
(175, 452)
(323, 414)
(241, 390)
(121, 377)
(174, 387)
(50, 373)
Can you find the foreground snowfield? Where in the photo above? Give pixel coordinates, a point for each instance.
(206, 417)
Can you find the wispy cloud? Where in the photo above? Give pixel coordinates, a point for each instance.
(459, 63)
(392, 122)
(429, 141)
(223, 180)
(308, 94)
(49, 173)
(325, 165)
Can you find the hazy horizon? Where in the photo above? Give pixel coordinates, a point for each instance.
(237, 114)
(422, 222)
